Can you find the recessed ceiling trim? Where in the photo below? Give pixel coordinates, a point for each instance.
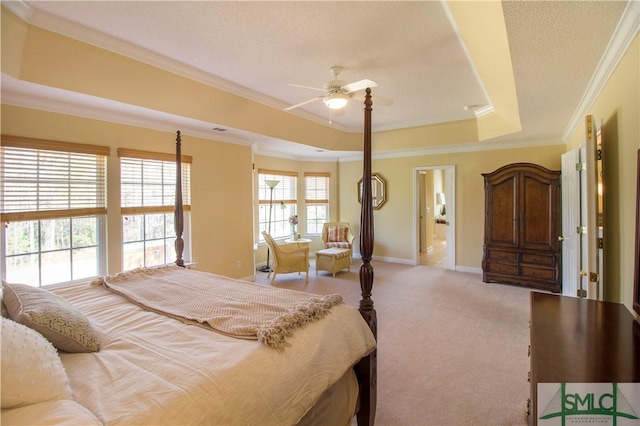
(20, 8)
(90, 36)
(169, 122)
(465, 50)
(456, 149)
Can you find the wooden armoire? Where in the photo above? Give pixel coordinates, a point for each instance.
(522, 227)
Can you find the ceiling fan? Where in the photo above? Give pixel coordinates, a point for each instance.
(338, 92)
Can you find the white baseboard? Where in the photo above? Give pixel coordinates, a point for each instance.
(469, 269)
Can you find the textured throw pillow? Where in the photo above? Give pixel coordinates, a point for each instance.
(52, 316)
(31, 368)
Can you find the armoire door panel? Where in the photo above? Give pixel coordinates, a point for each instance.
(503, 213)
(540, 226)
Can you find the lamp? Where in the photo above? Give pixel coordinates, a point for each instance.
(336, 100)
(271, 184)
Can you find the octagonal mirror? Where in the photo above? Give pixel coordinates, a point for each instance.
(378, 191)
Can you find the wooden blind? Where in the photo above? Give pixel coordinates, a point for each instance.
(285, 191)
(44, 179)
(147, 182)
(316, 188)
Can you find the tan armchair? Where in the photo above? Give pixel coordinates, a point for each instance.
(287, 258)
(337, 235)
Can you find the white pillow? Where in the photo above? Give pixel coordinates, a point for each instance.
(31, 368)
(64, 412)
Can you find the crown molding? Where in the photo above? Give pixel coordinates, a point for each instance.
(622, 38)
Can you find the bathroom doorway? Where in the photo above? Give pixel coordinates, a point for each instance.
(434, 227)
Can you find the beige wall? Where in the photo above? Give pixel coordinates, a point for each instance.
(394, 221)
(618, 106)
(221, 176)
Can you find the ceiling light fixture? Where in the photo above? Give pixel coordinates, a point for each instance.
(335, 100)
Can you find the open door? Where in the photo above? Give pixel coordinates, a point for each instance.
(571, 225)
(595, 209)
(421, 186)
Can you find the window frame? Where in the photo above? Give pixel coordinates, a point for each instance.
(48, 187)
(285, 203)
(313, 198)
(164, 205)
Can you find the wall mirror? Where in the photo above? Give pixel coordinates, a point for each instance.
(378, 191)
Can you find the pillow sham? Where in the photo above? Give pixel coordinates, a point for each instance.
(52, 316)
(337, 234)
(3, 309)
(32, 371)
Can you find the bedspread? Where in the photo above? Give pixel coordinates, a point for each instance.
(233, 307)
(153, 369)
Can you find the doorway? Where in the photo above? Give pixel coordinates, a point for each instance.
(434, 216)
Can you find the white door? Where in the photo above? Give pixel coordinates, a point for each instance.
(584, 213)
(570, 184)
(595, 215)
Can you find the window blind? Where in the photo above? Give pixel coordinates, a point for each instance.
(285, 190)
(148, 183)
(316, 188)
(49, 179)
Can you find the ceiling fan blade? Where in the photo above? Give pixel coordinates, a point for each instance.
(377, 100)
(308, 101)
(306, 87)
(359, 85)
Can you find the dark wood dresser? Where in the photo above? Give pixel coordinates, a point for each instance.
(581, 341)
(522, 226)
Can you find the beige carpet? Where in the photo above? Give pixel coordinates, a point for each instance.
(452, 350)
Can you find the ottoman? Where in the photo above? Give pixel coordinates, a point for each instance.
(333, 260)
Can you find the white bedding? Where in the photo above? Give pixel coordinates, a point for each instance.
(156, 370)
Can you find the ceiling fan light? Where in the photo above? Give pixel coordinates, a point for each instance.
(336, 100)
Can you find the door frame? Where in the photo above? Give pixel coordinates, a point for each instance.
(450, 196)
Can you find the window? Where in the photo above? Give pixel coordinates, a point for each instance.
(316, 200)
(147, 183)
(283, 202)
(53, 210)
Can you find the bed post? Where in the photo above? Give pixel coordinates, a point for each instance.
(178, 213)
(366, 368)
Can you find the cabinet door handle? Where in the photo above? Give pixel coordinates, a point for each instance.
(560, 238)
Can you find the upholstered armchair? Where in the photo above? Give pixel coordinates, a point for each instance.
(337, 235)
(287, 258)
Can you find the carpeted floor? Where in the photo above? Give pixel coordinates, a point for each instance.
(452, 350)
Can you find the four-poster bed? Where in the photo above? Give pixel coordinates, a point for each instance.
(366, 368)
(314, 361)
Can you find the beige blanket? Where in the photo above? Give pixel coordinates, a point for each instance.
(228, 306)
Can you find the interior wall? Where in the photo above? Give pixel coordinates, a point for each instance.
(220, 184)
(393, 222)
(618, 105)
